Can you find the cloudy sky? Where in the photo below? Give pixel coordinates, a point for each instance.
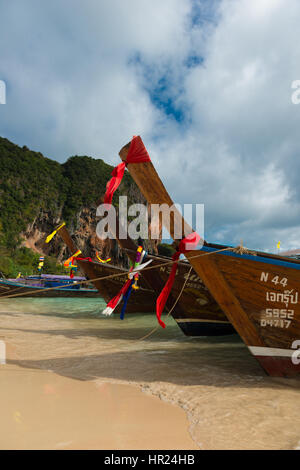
(207, 84)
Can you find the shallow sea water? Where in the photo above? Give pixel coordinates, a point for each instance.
(229, 401)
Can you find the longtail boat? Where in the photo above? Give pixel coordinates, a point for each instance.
(257, 291)
(46, 285)
(142, 302)
(196, 312)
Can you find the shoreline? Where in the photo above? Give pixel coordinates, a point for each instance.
(223, 397)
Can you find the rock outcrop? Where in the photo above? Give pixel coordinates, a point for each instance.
(37, 194)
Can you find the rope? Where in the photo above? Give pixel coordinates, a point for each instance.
(112, 276)
(2, 294)
(171, 310)
(242, 250)
(239, 249)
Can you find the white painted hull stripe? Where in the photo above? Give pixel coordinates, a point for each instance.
(259, 351)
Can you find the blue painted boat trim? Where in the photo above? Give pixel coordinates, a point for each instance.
(258, 259)
(26, 286)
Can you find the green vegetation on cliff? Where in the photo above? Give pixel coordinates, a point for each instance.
(28, 183)
(31, 184)
(26, 261)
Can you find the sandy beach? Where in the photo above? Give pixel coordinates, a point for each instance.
(74, 379)
(42, 410)
(149, 163)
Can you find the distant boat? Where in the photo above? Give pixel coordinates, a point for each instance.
(34, 286)
(295, 254)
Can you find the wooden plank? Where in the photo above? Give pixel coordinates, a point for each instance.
(151, 186)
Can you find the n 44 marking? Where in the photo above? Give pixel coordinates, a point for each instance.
(265, 277)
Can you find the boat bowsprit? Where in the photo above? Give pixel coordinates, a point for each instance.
(258, 292)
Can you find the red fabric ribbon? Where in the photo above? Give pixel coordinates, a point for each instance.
(187, 244)
(137, 154)
(114, 302)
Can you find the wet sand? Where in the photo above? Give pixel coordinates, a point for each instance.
(215, 393)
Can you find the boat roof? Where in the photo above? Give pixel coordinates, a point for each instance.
(57, 276)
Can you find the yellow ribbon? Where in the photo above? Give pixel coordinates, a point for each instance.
(49, 238)
(69, 262)
(103, 260)
(78, 252)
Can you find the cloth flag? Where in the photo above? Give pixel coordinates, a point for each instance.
(102, 260)
(49, 238)
(114, 302)
(191, 240)
(69, 263)
(137, 154)
(130, 284)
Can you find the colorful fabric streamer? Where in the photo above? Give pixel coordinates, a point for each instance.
(191, 240)
(126, 290)
(140, 253)
(114, 302)
(125, 300)
(49, 238)
(69, 263)
(41, 263)
(102, 260)
(137, 154)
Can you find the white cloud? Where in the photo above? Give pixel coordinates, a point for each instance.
(72, 88)
(83, 77)
(241, 153)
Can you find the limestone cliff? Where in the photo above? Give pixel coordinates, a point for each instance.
(37, 194)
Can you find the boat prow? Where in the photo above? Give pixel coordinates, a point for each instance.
(258, 292)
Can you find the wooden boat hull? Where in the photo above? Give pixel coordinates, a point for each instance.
(260, 295)
(196, 298)
(196, 312)
(140, 301)
(199, 312)
(264, 313)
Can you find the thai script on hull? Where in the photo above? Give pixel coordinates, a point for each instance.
(286, 297)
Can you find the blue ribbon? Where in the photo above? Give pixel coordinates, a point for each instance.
(125, 300)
